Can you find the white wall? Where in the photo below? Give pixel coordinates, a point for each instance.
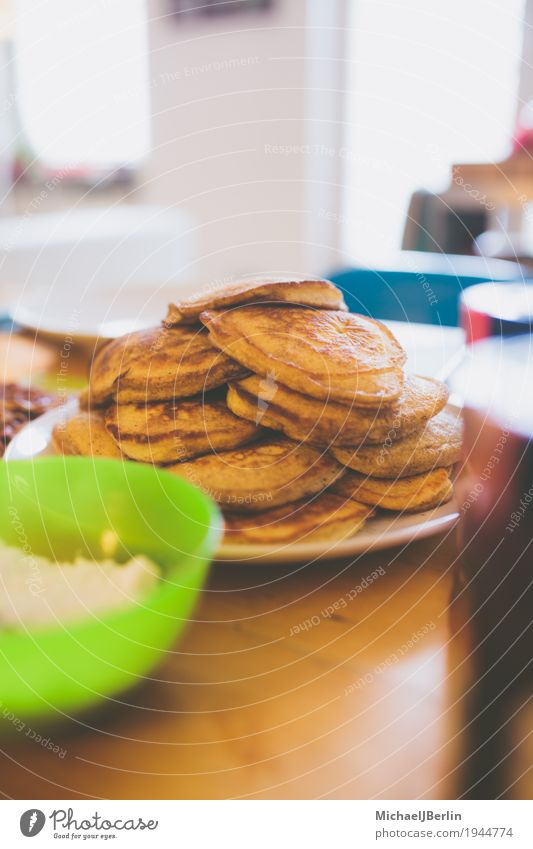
(7, 121)
(525, 89)
(225, 92)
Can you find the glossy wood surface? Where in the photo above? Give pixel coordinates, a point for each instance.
(332, 680)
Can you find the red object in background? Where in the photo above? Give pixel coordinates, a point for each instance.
(496, 309)
(495, 579)
(476, 325)
(523, 132)
(523, 139)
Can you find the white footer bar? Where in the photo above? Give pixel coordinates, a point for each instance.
(267, 824)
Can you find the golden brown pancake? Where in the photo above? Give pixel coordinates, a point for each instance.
(438, 445)
(176, 430)
(326, 517)
(159, 364)
(311, 293)
(333, 356)
(411, 495)
(84, 399)
(266, 402)
(84, 434)
(263, 475)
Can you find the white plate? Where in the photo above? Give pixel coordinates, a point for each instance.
(35, 440)
(106, 315)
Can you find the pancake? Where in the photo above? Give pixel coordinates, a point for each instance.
(84, 435)
(312, 293)
(411, 495)
(266, 474)
(327, 517)
(332, 356)
(176, 430)
(84, 399)
(159, 364)
(264, 401)
(437, 445)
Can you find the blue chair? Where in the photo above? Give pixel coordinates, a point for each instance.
(420, 287)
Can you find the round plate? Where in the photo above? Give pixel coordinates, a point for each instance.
(385, 531)
(56, 314)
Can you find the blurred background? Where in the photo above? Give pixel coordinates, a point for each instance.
(149, 148)
(146, 143)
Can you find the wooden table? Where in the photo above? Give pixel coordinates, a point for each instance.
(292, 682)
(247, 707)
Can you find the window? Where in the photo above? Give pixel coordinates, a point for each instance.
(430, 83)
(82, 81)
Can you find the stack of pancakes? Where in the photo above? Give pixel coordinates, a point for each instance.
(295, 415)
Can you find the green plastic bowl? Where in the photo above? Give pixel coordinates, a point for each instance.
(62, 507)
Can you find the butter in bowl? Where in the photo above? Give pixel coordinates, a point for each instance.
(101, 563)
